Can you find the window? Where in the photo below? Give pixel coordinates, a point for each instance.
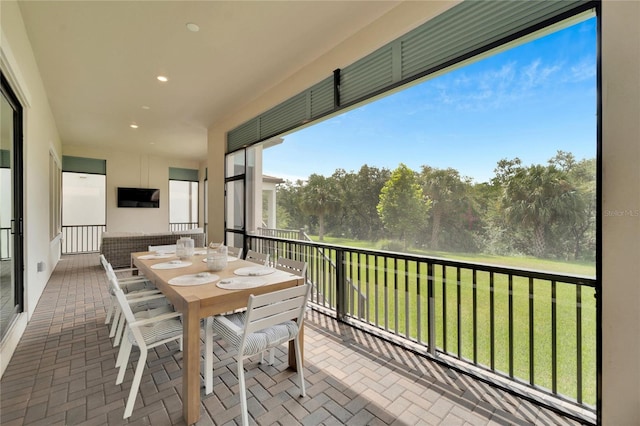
(183, 199)
(84, 199)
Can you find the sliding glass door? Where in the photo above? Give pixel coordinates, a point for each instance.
(11, 225)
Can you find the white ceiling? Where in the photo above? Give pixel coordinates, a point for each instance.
(99, 61)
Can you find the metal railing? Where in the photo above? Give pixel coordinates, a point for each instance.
(82, 238)
(529, 328)
(182, 226)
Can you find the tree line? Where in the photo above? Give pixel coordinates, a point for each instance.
(546, 211)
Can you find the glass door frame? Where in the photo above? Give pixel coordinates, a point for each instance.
(17, 220)
(240, 177)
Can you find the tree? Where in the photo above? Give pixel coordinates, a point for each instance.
(359, 194)
(536, 198)
(449, 197)
(402, 207)
(319, 198)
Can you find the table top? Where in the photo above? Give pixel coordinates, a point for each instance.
(211, 298)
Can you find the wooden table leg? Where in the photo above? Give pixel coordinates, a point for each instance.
(191, 361)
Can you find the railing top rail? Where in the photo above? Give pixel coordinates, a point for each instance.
(479, 266)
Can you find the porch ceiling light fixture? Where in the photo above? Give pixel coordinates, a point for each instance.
(162, 78)
(194, 28)
(133, 125)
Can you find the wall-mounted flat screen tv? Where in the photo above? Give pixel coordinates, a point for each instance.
(139, 197)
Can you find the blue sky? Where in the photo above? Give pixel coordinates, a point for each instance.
(527, 102)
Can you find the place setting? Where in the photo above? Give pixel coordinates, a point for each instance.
(240, 283)
(172, 264)
(254, 271)
(194, 279)
(156, 256)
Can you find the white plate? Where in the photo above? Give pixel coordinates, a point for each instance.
(200, 252)
(229, 259)
(155, 256)
(254, 271)
(194, 279)
(239, 283)
(174, 264)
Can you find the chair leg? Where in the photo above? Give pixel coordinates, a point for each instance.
(122, 351)
(119, 331)
(107, 320)
(299, 366)
(135, 385)
(208, 355)
(114, 321)
(243, 392)
(126, 353)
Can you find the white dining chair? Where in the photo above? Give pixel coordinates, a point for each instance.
(234, 251)
(297, 267)
(146, 334)
(128, 284)
(270, 320)
(257, 257)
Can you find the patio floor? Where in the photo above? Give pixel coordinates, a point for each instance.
(63, 373)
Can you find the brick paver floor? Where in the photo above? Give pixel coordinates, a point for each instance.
(63, 373)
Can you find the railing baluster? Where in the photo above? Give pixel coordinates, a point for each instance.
(531, 335)
(419, 301)
(511, 325)
(376, 288)
(475, 316)
(431, 310)
(492, 322)
(444, 308)
(579, 343)
(554, 340)
(407, 300)
(395, 294)
(459, 311)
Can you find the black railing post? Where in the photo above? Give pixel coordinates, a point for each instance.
(342, 301)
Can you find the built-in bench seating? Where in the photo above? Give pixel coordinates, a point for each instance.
(118, 246)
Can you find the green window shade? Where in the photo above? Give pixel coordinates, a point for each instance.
(467, 29)
(189, 175)
(243, 135)
(367, 76)
(84, 165)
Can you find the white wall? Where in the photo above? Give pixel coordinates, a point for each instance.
(621, 212)
(130, 169)
(40, 136)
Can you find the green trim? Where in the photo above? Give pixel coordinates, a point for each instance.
(5, 159)
(84, 165)
(188, 175)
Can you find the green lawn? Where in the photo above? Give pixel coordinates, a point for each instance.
(403, 291)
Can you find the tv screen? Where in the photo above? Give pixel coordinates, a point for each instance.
(139, 197)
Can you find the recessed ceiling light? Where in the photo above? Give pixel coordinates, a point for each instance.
(145, 107)
(162, 78)
(193, 27)
(133, 125)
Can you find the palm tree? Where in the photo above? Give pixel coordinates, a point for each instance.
(319, 198)
(537, 197)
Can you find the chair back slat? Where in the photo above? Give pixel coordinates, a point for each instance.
(269, 309)
(256, 257)
(297, 267)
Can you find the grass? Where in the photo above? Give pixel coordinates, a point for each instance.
(396, 299)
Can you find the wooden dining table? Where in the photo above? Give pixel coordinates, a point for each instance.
(200, 301)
